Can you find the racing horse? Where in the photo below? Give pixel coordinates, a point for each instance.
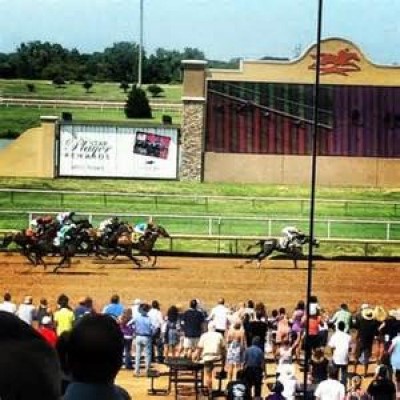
(145, 244)
(267, 246)
(34, 247)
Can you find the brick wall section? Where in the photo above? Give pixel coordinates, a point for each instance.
(192, 140)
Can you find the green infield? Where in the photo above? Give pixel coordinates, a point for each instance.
(100, 91)
(14, 120)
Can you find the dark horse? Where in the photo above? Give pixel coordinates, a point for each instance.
(126, 244)
(267, 246)
(146, 243)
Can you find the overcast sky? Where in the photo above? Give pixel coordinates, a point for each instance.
(223, 29)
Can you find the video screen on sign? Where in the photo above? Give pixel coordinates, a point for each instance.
(151, 145)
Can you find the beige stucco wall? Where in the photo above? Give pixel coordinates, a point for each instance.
(32, 154)
(295, 170)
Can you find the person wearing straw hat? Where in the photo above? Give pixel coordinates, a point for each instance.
(367, 327)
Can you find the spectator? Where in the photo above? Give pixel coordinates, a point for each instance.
(319, 365)
(282, 331)
(26, 310)
(85, 306)
(144, 333)
(126, 324)
(381, 387)
(235, 348)
(276, 389)
(172, 332)
(135, 308)
(29, 368)
(254, 365)
(298, 327)
(219, 315)
(211, 348)
(192, 321)
(61, 349)
(331, 388)
(46, 329)
(340, 344)
(42, 310)
(356, 392)
(258, 328)
(94, 356)
(394, 351)
(114, 308)
(64, 316)
(157, 320)
(7, 304)
(287, 378)
(344, 315)
(367, 328)
(238, 389)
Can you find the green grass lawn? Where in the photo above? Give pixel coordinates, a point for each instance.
(100, 91)
(15, 120)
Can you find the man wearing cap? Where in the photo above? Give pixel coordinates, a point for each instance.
(211, 348)
(367, 328)
(47, 331)
(26, 310)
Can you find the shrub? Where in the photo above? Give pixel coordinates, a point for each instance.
(166, 119)
(31, 87)
(137, 104)
(155, 90)
(87, 85)
(59, 81)
(124, 85)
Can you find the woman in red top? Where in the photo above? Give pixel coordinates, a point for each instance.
(47, 331)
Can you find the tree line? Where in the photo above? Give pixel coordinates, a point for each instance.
(118, 63)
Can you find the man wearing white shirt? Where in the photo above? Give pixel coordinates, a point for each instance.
(331, 388)
(157, 320)
(340, 343)
(26, 310)
(8, 305)
(219, 315)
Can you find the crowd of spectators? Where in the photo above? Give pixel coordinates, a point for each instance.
(76, 350)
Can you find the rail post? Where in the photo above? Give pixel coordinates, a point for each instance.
(62, 199)
(346, 208)
(269, 227)
(105, 199)
(301, 207)
(210, 226)
(206, 202)
(329, 228)
(388, 231)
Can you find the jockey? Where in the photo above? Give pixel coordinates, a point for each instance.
(63, 217)
(142, 228)
(63, 232)
(109, 226)
(289, 233)
(42, 223)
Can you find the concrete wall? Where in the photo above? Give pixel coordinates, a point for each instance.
(32, 154)
(295, 170)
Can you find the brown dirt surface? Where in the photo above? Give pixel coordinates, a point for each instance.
(177, 280)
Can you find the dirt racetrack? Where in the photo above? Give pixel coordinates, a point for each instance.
(177, 280)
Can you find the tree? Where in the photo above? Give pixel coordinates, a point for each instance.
(137, 104)
(155, 90)
(31, 87)
(124, 85)
(87, 85)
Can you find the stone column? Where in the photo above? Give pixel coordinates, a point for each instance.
(193, 120)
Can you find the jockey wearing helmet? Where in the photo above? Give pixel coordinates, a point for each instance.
(64, 231)
(289, 233)
(65, 217)
(142, 228)
(109, 226)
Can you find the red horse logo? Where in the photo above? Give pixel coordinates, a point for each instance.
(341, 63)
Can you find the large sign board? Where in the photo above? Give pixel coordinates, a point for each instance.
(113, 151)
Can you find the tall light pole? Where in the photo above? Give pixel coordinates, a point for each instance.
(140, 61)
(313, 189)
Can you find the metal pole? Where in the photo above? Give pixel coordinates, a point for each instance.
(313, 190)
(140, 46)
